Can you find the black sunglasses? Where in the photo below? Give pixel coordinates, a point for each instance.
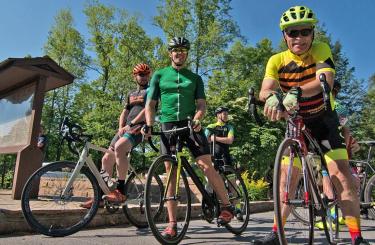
(295, 33)
(142, 74)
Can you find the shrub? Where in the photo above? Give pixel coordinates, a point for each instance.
(257, 189)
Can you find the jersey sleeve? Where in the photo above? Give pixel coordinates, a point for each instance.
(153, 92)
(231, 131)
(207, 132)
(323, 57)
(272, 68)
(199, 92)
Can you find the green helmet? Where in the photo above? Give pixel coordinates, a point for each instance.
(297, 15)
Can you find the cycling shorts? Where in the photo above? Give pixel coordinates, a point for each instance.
(197, 148)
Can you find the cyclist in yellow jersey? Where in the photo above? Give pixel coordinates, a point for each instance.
(296, 72)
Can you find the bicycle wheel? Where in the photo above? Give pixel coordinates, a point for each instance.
(47, 212)
(180, 202)
(238, 197)
(286, 178)
(370, 196)
(134, 208)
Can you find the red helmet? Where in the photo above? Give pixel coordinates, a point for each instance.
(141, 68)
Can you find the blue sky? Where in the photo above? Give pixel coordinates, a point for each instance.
(24, 25)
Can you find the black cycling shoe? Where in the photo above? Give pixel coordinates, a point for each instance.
(239, 215)
(271, 239)
(226, 215)
(360, 241)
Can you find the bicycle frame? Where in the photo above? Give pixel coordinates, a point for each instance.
(85, 158)
(183, 163)
(297, 131)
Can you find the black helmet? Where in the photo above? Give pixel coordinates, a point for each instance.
(178, 42)
(220, 109)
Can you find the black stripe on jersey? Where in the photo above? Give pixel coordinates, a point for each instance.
(328, 63)
(292, 67)
(297, 79)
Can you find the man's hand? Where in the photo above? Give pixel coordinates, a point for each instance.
(123, 130)
(196, 125)
(146, 131)
(271, 109)
(291, 99)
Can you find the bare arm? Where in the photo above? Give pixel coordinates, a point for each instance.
(139, 118)
(268, 86)
(225, 140)
(122, 118)
(150, 112)
(313, 88)
(201, 109)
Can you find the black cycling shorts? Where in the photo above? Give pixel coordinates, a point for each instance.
(326, 130)
(197, 148)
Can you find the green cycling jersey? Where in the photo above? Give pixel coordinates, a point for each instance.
(178, 91)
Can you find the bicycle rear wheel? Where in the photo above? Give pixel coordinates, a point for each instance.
(181, 202)
(47, 212)
(134, 208)
(238, 197)
(286, 178)
(370, 196)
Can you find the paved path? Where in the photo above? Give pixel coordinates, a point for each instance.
(200, 232)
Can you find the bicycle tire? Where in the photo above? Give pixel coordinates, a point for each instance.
(46, 212)
(158, 225)
(134, 189)
(237, 225)
(291, 232)
(370, 195)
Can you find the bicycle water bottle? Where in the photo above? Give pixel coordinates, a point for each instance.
(112, 185)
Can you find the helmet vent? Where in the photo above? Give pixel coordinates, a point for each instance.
(302, 14)
(294, 16)
(310, 15)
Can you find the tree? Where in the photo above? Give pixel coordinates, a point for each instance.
(206, 23)
(66, 46)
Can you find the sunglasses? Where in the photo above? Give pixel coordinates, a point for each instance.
(179, 50)
(295, 33)
(142, 74)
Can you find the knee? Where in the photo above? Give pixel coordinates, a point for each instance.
(107, 157)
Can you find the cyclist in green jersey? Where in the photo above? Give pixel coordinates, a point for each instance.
(296, 72)
(181, 93)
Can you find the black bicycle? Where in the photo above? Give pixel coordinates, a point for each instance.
(177, 187)
(52, 197)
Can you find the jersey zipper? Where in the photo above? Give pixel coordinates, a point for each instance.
(178, 95)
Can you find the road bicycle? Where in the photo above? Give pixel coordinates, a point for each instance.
(300, 149)
(52, 197)
(176, 187)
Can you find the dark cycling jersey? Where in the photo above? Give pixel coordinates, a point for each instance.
(178, 91)
(135, 103)
(221, 130)
(292, 70)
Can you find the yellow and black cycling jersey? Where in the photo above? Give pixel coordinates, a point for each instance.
(292, 70)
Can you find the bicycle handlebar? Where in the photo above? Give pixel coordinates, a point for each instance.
(252, 106)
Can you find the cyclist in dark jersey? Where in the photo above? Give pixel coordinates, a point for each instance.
(296, 72)
(130, 122)
(224, 134)
(181, 93)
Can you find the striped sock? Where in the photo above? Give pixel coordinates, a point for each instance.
(354, 227)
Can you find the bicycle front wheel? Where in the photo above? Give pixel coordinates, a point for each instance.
(134, 208)
(239, 199)
(176, 201)
(287, 174)
(370, 196)
(50, 213)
